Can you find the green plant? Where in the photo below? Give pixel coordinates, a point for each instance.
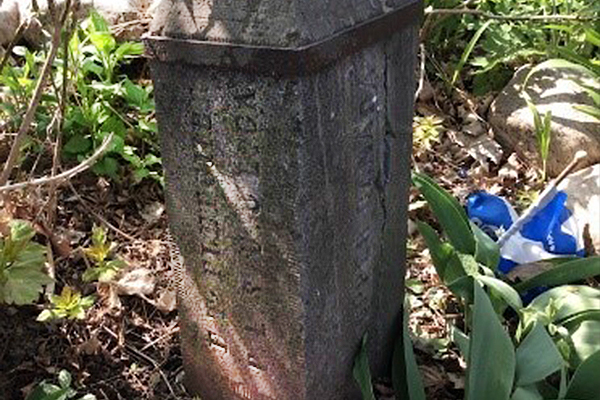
(554, 334)
(522, 31)
(99, 100)
(21, 265)
(99, 252)
(69, 304)
(49, 391)
(426, 131)
(543, 132)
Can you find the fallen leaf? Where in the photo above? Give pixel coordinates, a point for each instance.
(167, 301)
(136, 282)
(90, 346)
(510, 170)
(109, 295)
(152, 212)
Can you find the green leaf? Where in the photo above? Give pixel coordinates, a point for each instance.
(104, 41)
(504, 290)
(129, 49)
(537, 357)
(107, 166)
(585, 384)
(450, 214)
(569, 272)
(44, 316)
(487, 251)
(23, 285)
(468, 50)
(463, 288)
(99, 24)
(585, 339)
(78, 145)
(568, 301)
(589, 110)
(64, 378)
(134, 94)
(362, 373)
(491, 365)
(416, 390)
(461, 340)
(526, 393)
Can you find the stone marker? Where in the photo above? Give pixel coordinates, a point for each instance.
(557, 91)
(286, 140)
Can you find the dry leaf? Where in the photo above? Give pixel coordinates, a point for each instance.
(167, 301)
(510, 170)
(152, 212)
(109, 295)
(136, 282)
(90, 346)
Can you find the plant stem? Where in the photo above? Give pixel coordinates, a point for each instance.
(35, 100)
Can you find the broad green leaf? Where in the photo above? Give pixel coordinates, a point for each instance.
(47, 391)
(64, 378)
(463, 288)
(504, 290)
(586, 339)
(406, 378)
(445, 259)
(99, 24)
(129, 49)
(104, 41)
(468, 50)
(537, 357)
(568, 301)
(450, 214)
(585, 384)
(23, 285)
(487, 251)
(526, 393)
(44, 316)
(491, 364)
(562, 274)
(416, 391)
(134, 94)
(107, 166)
(77, 144)
(461, 340)
(362, 372)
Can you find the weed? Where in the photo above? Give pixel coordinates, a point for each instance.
(70, 305)
(49, 391)
(426, 131)
(105, 269)
(21, 265)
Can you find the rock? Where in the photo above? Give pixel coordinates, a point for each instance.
(583, 189)
(550, 90)
(10, 19)
(129, 18)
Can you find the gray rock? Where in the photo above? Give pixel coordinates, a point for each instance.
(583, 189)
(550, 90)
(10, 18)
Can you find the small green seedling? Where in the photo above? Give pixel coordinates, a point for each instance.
(70, 304)
(426, 131)
(49, 391)
(21, 265)
(100, 251)
(542, 132)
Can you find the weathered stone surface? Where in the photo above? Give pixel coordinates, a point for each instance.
(583, 189)
(10, 18)
(287, 198)
(550, 90)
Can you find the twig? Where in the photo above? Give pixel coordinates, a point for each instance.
(421, 71)
(13, 42)
(65, 175)
(483, 14)
(147, 358)
(35, 100)
(101, 218)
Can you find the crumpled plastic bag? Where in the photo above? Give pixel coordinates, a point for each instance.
(552, 231)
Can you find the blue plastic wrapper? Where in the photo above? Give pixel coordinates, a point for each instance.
(551, 232)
